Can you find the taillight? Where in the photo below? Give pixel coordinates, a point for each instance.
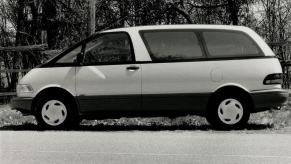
(275, 78)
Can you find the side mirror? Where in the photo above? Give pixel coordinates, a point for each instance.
(79, 58)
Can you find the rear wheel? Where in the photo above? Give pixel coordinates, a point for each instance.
(56, 112)
(229, 111)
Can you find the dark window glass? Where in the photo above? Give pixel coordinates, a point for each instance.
(108, 48)
(172, 45)
(229, 44)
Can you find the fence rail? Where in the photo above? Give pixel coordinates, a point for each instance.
(14, 70)
(7, 94)
(40, 47)
(5, 97)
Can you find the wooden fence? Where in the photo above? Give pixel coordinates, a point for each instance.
(5, 95)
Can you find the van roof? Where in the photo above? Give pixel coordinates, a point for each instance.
(184, 26)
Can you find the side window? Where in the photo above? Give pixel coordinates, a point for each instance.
(108, 48)
(229, 44)
(69, 57)
(172, 45)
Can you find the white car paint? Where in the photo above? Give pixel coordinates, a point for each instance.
(153, 78)
(195, 77)
(107, 80)
(42, 78)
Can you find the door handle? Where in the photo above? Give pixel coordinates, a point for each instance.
(132, 68)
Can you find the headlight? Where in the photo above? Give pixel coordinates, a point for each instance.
(24, 88)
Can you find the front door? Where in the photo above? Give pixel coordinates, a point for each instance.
(108, 81)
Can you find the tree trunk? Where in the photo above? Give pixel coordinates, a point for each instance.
(50, 26)
(92, 17)
(19, 23)
(233, 9)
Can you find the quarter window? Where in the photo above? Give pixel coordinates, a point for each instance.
(229, 44)
(108, 48)
(172, 45)
(69, 57)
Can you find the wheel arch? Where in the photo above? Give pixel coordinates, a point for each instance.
(231, 88)
(53, 90)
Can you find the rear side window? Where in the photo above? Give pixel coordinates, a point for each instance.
(229, 44)
(172, 45)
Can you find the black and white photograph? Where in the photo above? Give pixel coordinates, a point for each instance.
(145, 81)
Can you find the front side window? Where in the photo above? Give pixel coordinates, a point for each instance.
(109, 48)
(172, 45)
(229, 44)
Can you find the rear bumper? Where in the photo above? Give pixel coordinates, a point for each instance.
(22, 104)
(265, 100)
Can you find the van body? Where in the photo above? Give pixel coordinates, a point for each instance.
(221, 72)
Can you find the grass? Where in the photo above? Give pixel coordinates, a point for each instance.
(268, 120)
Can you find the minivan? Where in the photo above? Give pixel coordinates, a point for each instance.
(221, 72)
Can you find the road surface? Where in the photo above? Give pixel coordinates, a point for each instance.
(143, 147)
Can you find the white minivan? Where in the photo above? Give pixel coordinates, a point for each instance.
(221, 72)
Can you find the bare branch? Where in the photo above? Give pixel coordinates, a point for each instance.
(208, 6)
(183, 13)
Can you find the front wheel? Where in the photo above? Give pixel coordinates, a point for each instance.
(229, 111)
(55, 113)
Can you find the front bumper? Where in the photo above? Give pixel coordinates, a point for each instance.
(22, 104)
(265, 100)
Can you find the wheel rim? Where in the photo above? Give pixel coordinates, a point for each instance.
(230, 111)
(54, 112)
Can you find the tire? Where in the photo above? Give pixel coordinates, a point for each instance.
(56, 112)
(229, 111)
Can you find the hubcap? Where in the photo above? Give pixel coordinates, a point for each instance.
(54, 112)
(230, 111)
